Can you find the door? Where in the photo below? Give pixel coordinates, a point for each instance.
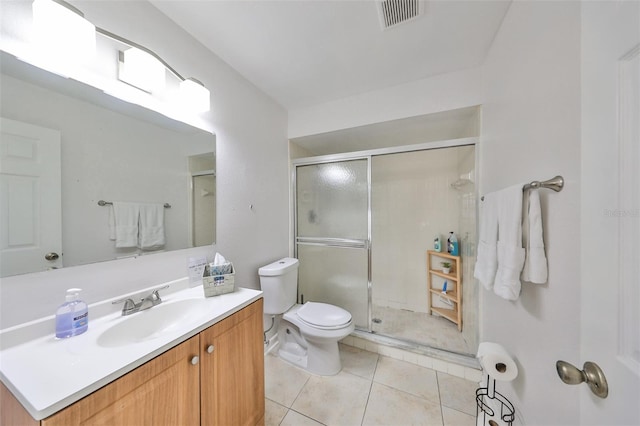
(30, 187)
(610, 211)
(332, 235)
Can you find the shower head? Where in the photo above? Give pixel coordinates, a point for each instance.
(463, 180)
(460, 183)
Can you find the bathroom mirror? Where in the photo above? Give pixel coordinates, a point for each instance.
(110, 150)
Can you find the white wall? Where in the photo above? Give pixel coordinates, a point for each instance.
(531, 131)
(436, 94)
(252, 164)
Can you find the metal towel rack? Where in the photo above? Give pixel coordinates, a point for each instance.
(103, 203)
(555, 183)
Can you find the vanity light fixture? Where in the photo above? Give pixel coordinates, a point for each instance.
(142, 67)
(62, 32)
(194, 95)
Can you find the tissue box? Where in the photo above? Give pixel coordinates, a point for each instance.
(215, 283)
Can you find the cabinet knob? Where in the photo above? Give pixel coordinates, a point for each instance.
(210, 349)
(195, 360)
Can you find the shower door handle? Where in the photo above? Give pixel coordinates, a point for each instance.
(333, 242)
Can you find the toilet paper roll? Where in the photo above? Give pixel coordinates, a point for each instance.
(497, 362)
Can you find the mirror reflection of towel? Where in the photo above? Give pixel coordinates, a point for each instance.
(151, 232)
(123, 224)
(137, 225)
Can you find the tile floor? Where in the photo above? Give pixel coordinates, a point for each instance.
(371, 389)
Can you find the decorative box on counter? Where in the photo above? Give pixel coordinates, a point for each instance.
(218, 279)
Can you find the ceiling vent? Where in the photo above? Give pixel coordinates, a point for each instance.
(394, 12)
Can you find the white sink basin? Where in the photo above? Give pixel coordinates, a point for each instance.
(154, 322)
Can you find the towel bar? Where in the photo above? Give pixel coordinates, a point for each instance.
(555, 183)
(103, 203)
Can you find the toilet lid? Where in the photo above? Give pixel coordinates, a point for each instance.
(323, 314)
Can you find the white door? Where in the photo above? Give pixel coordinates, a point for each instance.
(30, 187)
(610, 211)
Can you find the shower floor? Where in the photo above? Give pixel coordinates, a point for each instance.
(421, 328)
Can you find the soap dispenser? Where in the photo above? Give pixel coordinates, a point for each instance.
(72, 317)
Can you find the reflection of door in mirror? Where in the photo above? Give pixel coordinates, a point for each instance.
(203, 184)
(30, 213)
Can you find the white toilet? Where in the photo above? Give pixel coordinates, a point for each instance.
(308, 334)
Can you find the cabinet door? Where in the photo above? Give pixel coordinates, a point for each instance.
(11, 411)
(164, 391)
(232, 371)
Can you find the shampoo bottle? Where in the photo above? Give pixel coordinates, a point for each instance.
(454, 247)
(72, 317)
(437, 244)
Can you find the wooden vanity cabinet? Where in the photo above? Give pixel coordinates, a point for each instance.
(232, 370)
(214, 378)
(11, 412)
(163, 391)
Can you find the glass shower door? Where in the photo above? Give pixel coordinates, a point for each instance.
(333, 234)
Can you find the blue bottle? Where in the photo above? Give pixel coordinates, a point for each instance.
(453, 248)
(72, 317)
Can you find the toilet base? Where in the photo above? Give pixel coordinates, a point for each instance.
(293, 353)
(321, 356)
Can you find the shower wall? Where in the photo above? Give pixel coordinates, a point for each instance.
(412, 202)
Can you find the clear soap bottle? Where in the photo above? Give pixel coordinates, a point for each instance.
(72, 317)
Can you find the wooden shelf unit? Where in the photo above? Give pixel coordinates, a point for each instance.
(454, 287)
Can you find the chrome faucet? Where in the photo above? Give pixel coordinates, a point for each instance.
(151, 300)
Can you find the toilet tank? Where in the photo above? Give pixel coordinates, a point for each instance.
(279, 283)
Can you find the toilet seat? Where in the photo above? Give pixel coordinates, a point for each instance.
(321, 341)
(323, 316)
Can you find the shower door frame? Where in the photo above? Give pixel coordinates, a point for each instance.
(350, 243)
(336, 242)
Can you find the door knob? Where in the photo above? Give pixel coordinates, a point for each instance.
(591, 373)
(51, 256)
(195, 360)
(210, 349)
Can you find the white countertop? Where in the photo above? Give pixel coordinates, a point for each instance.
(47, 374)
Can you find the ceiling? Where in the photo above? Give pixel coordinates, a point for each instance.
(307, 52)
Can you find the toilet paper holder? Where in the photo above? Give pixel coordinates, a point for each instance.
(489, 402)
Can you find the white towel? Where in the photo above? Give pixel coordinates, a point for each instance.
(487, 260)
(151, 232)
(123, 224)
(511, 254)
(535, 264)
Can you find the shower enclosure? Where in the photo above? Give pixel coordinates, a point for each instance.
(363, 223)
(333, 234)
